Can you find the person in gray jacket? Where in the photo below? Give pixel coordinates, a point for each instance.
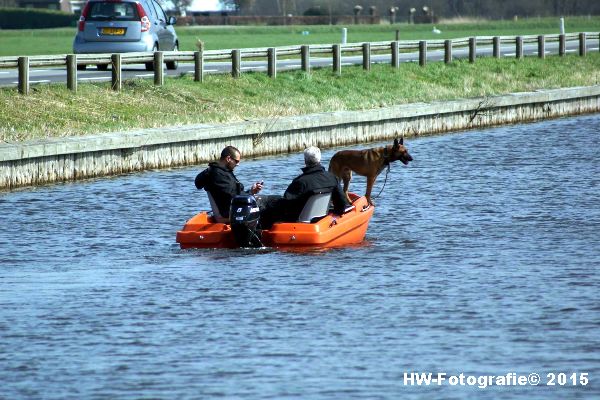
(314, 178)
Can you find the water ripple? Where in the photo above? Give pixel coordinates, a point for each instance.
(482, 257)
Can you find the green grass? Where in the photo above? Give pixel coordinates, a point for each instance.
(59, 41)
(53, 111)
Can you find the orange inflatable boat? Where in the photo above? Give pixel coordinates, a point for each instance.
(320, 231)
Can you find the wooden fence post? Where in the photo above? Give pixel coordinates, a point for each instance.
(72, 72)
(541, 46)
(519, 47)
(199, 66)
(422, 53)
(23, 64)
(366, 56)
(236, 61)
(582, 42)
(496, 46)
(305, 54)
(395, 47)
(447, 51)
(159, 72)
(472, 49)
(337, 59)
(115, 60)
(561, 45)
(272, 62)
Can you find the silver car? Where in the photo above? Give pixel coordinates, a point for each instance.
(122, 26)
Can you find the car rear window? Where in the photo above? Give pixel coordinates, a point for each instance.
(112, 11)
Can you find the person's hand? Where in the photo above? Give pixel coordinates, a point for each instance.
(257, 187)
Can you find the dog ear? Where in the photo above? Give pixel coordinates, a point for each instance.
(402, 140)
(396, 144)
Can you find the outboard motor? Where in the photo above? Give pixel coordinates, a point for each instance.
(244, 215)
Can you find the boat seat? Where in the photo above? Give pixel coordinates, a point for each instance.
(316, 206)
(215, 210)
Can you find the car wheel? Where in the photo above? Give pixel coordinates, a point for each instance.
(102, 67)
(81, 67)
(173, 64)
(150, 65)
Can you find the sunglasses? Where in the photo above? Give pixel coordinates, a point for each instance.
(234, 160)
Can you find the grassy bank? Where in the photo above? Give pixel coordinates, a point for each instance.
(53, 111)
(59, 41)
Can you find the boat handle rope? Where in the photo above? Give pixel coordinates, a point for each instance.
(256, 237)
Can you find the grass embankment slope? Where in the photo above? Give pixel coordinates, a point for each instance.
(54, 111)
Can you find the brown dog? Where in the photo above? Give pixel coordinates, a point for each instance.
(367, 163)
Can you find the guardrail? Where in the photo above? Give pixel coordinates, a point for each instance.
(235, 56)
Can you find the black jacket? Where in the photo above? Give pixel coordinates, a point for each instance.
(221, 184)
(313, 178)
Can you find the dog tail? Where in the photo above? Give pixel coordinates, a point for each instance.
(331, 164)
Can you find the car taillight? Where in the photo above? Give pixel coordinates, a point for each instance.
(143, 18)
(84, 15)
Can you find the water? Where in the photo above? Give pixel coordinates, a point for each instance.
(482, 258)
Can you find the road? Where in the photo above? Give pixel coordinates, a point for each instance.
(57, 75)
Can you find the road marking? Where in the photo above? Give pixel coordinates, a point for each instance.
(211, 70)
(257, 67)
(95, 79)
(143, 75)
(510, 54)
(572, 51)
(4, 72)
(593, 48)
(40, 81)
(347, 63)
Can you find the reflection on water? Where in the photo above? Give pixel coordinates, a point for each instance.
(482, 258)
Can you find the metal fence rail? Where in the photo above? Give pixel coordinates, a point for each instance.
(235, 56)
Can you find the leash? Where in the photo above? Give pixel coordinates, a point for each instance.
(384, 182)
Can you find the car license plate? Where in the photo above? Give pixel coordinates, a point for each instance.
(112, 31)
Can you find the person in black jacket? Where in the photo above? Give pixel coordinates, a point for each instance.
(314, 178)
(218, 179)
